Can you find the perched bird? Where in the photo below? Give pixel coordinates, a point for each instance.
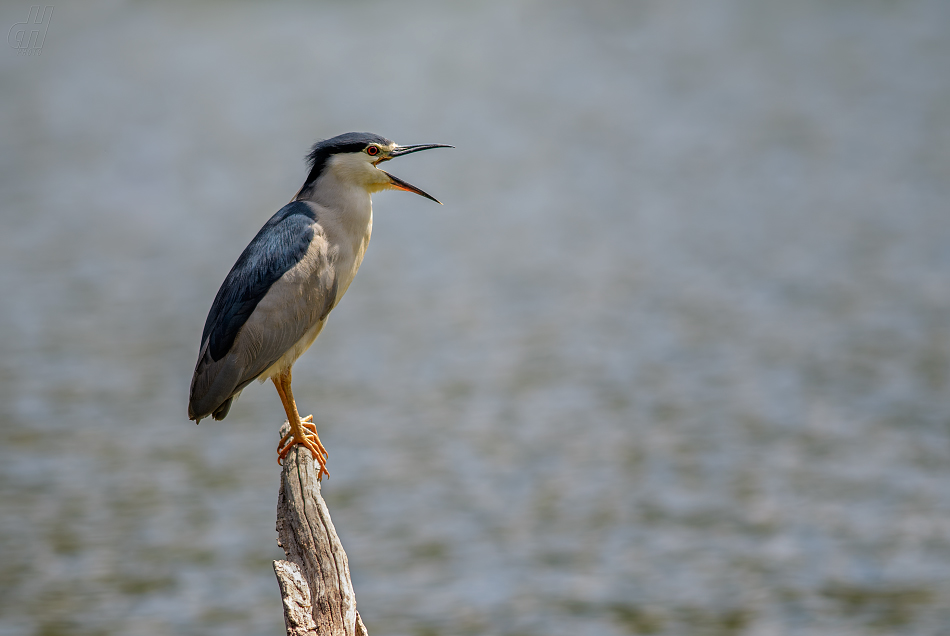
(276, 298)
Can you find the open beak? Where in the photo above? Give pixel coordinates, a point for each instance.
(398, 183)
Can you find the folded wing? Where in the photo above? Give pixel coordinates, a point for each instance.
(280, 288)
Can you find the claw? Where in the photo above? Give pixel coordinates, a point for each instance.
(306, 423)
(311, 442)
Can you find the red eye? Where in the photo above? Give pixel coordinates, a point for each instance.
(372, 151)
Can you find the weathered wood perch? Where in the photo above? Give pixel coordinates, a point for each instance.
(315, 579)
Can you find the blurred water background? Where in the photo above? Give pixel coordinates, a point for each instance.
(673, 358)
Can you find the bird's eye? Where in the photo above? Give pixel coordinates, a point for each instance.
(372, 151)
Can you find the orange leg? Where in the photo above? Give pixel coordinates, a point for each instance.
(298, 433)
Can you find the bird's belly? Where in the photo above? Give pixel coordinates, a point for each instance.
(330, 265)
(290, 356)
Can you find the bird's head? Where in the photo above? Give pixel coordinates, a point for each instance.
(353, 159)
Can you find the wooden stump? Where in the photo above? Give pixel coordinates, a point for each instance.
(315, 579)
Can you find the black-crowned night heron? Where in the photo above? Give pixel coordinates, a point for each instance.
(274, 302)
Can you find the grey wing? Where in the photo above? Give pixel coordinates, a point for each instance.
(282, 287)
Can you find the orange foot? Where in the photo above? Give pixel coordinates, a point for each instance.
(301, 434)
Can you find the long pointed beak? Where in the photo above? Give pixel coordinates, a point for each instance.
(396, 182)
(400, 151)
